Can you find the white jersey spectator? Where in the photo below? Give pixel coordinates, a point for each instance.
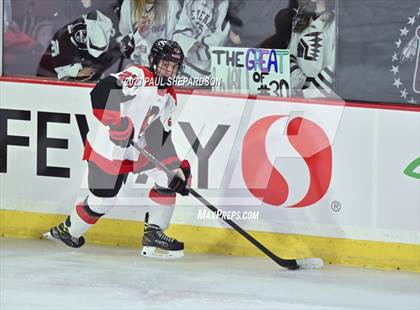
(142, 23)
(312, 52)
(202, 24)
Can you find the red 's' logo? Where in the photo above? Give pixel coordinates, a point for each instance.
(262, 178)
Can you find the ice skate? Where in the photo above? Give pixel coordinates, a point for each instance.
(158, 245)
(61, 233)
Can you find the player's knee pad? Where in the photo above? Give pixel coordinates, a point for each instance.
(104, 192)
(163, 196)
(100, 205)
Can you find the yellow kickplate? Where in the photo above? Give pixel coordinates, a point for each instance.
(358, 253)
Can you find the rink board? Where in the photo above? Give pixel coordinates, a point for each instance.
(364, 213)
(199, 239)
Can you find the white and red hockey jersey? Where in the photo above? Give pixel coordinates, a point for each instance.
(312, 58)
(149, 28)
(202, 25)
(131, 93)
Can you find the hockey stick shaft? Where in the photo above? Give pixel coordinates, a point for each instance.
(286, 263)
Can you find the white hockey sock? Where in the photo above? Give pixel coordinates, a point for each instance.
(161, 216)
(78, 226)
(162, 207)
(85, 215)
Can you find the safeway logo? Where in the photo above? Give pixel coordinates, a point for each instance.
(265, 182)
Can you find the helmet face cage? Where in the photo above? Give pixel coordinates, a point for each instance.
(303, 14)
(167, 50)
(301, 20)
(307, 10)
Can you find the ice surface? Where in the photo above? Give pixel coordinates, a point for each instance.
(40, 274)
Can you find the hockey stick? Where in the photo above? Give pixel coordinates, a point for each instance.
(291, 264)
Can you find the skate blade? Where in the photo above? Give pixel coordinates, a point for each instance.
(48, 236)
(310, 263)
(149, 251)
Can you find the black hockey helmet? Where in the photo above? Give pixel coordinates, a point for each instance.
(307, 10)
(303, 15)
(164, 49)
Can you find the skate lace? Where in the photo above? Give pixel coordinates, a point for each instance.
(165, 237)
(63, 229)
(65, 233)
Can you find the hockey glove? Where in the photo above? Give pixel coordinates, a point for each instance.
(122, 133)
(182, 179)
(127, 46)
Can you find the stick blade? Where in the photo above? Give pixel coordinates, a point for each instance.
(310, 263)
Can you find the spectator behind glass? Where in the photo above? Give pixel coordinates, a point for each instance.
(20, 50)
(83, 49)
(202, 24)
(283, 24)
(312, 49)
(142, 23)
(251, 21)
(236, 23)
(33, 24)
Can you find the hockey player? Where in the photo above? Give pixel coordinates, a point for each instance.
(202, 24)
(312, 49)
(136, 103)
(142, 22)
(83, 49)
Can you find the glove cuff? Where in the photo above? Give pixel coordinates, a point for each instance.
(123, 130)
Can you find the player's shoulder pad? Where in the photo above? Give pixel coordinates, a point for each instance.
(134, 76)
(142, 71)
